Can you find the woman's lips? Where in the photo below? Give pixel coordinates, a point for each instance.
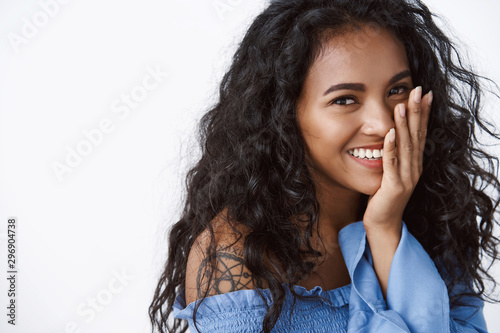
(373, 164)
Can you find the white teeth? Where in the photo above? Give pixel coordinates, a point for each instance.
(367, 153)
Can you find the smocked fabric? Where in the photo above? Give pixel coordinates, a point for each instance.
(417, 299)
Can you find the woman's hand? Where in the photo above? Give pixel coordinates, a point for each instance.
(402, 165)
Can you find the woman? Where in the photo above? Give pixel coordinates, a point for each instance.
(337, 185)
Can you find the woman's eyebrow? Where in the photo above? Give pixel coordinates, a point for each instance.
(400, 76)
(361, 86)
(346, 86)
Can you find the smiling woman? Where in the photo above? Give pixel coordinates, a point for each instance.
(355, 112)
(315, 206)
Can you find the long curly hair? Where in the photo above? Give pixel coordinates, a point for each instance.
(253, 155)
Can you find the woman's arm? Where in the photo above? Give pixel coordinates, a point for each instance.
(416, 298)
(383, 244)
(402, 167)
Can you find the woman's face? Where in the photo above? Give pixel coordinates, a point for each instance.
(347, 101)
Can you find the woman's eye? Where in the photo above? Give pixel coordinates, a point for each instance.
(343, 101)
(398, 90)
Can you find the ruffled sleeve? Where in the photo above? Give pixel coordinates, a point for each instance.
(417, 298)
(243, 311)
(230, 312)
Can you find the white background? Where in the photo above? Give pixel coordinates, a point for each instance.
(109, 215)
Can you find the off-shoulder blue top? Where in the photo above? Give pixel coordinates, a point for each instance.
(417, 299)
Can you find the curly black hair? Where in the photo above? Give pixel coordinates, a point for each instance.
(253, 154)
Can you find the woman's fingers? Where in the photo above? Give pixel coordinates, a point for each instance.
(418, 116)
(404, 142)
(424, 121)
(416, 111)
(390, 158)
(403, 159)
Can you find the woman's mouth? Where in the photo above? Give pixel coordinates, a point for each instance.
(371, 158)
(368, 154)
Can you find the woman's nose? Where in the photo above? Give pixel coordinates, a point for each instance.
(378, 118)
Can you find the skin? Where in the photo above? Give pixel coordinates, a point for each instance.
(343, 119)
(331, 125)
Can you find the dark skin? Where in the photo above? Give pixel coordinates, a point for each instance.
(231, 273)
(359, 115)
(382, 98)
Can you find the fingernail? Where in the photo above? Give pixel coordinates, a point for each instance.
(402, 110)
(429, 99)
(418, 94)
(392, 135)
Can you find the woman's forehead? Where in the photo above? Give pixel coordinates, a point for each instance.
(356, 54)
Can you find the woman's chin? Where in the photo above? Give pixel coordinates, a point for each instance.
(370, 188)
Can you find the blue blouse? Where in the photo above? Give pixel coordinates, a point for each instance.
(417, 299)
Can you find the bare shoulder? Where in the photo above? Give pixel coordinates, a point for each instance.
(230, 272)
